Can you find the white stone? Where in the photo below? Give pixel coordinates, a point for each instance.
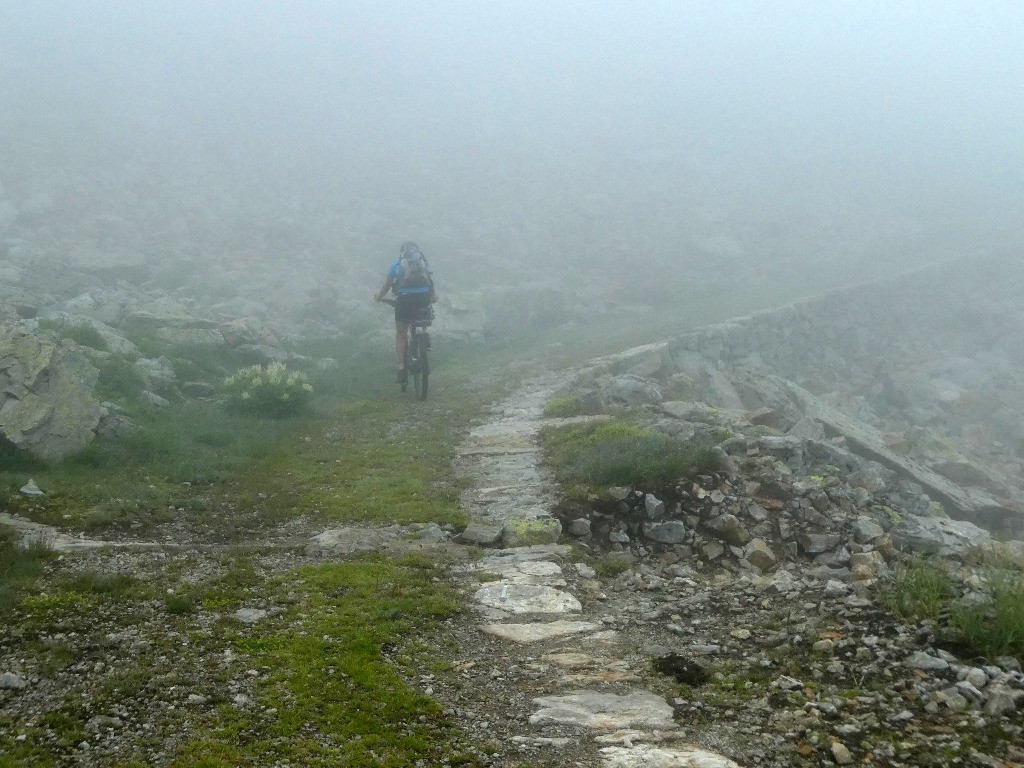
(250, 615)
(534, 633)
(526, 598)
(646, 756)
(604, 711)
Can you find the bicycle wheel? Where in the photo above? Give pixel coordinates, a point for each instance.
(410, 363)
(423, 368)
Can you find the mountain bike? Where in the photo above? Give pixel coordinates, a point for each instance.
(417, 346)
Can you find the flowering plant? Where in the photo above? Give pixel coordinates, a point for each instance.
(270, 391)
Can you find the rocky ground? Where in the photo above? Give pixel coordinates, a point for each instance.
(736, 619)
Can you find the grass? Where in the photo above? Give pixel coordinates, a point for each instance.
(923, 589)
(990, 626)
(19, 567)
(335, 675)
(621, 453)
(566, 405)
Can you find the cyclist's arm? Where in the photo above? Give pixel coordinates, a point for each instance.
(388, 282)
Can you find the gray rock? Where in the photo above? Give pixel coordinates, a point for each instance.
(653, 506)
(100, 723)
(31, 489)
(937, 535)
(250, 615)
(952, 699)
(922, 660)
(668, 532)
(759, 554)
(12, 682)
(808, 429)
(48, 405)
(346, 541)
(866, 530)
(1001, 700)
(481, 533)
(158, 372)
(729, 529)
(153, 399)
(817, 543)
(579, 527)
(713, 550)
(629, 391)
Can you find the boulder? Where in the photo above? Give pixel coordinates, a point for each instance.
(48, 404)
(629, 391)
(729, 529)
(938, 535)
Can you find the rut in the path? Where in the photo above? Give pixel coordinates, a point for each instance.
(529, 603)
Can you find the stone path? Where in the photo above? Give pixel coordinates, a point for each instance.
(525, 597)
(29, 533)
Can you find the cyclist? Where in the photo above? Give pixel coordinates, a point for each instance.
(413, 285)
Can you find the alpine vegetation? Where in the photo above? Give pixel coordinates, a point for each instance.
(270, 391)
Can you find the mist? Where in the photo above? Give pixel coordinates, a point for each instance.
(753, 138)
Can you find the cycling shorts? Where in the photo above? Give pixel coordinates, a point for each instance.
(410, 306)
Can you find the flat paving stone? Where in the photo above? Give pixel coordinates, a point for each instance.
(526, 598)
(541, 572)
(646, 756)
(538, 632)
(604, 711)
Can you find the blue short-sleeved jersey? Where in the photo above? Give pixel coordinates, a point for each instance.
(393, 272)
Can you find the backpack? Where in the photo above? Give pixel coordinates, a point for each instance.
(412, 271)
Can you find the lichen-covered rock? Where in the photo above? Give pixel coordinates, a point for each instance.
(48, 404)
(524, 532)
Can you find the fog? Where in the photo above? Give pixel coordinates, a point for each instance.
(515, 140)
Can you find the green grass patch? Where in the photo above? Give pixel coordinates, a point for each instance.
(567, 405)
(335, 664)
(621, 453)
(990, 624)
(923, 589)
(995, 626)
(19, 568)
(114, 586)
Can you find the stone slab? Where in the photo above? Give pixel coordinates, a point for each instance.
(538, 632)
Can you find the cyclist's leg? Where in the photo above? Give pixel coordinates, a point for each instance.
(401, 340)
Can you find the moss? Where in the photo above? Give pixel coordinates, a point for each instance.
(526, 532)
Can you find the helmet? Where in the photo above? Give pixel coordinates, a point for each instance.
(407, 246)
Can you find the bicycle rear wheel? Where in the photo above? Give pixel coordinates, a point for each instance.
(422, 375)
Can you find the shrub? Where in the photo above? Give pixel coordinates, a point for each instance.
(621, 453)
(84, 335)
(119, 379)
(270, 391)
